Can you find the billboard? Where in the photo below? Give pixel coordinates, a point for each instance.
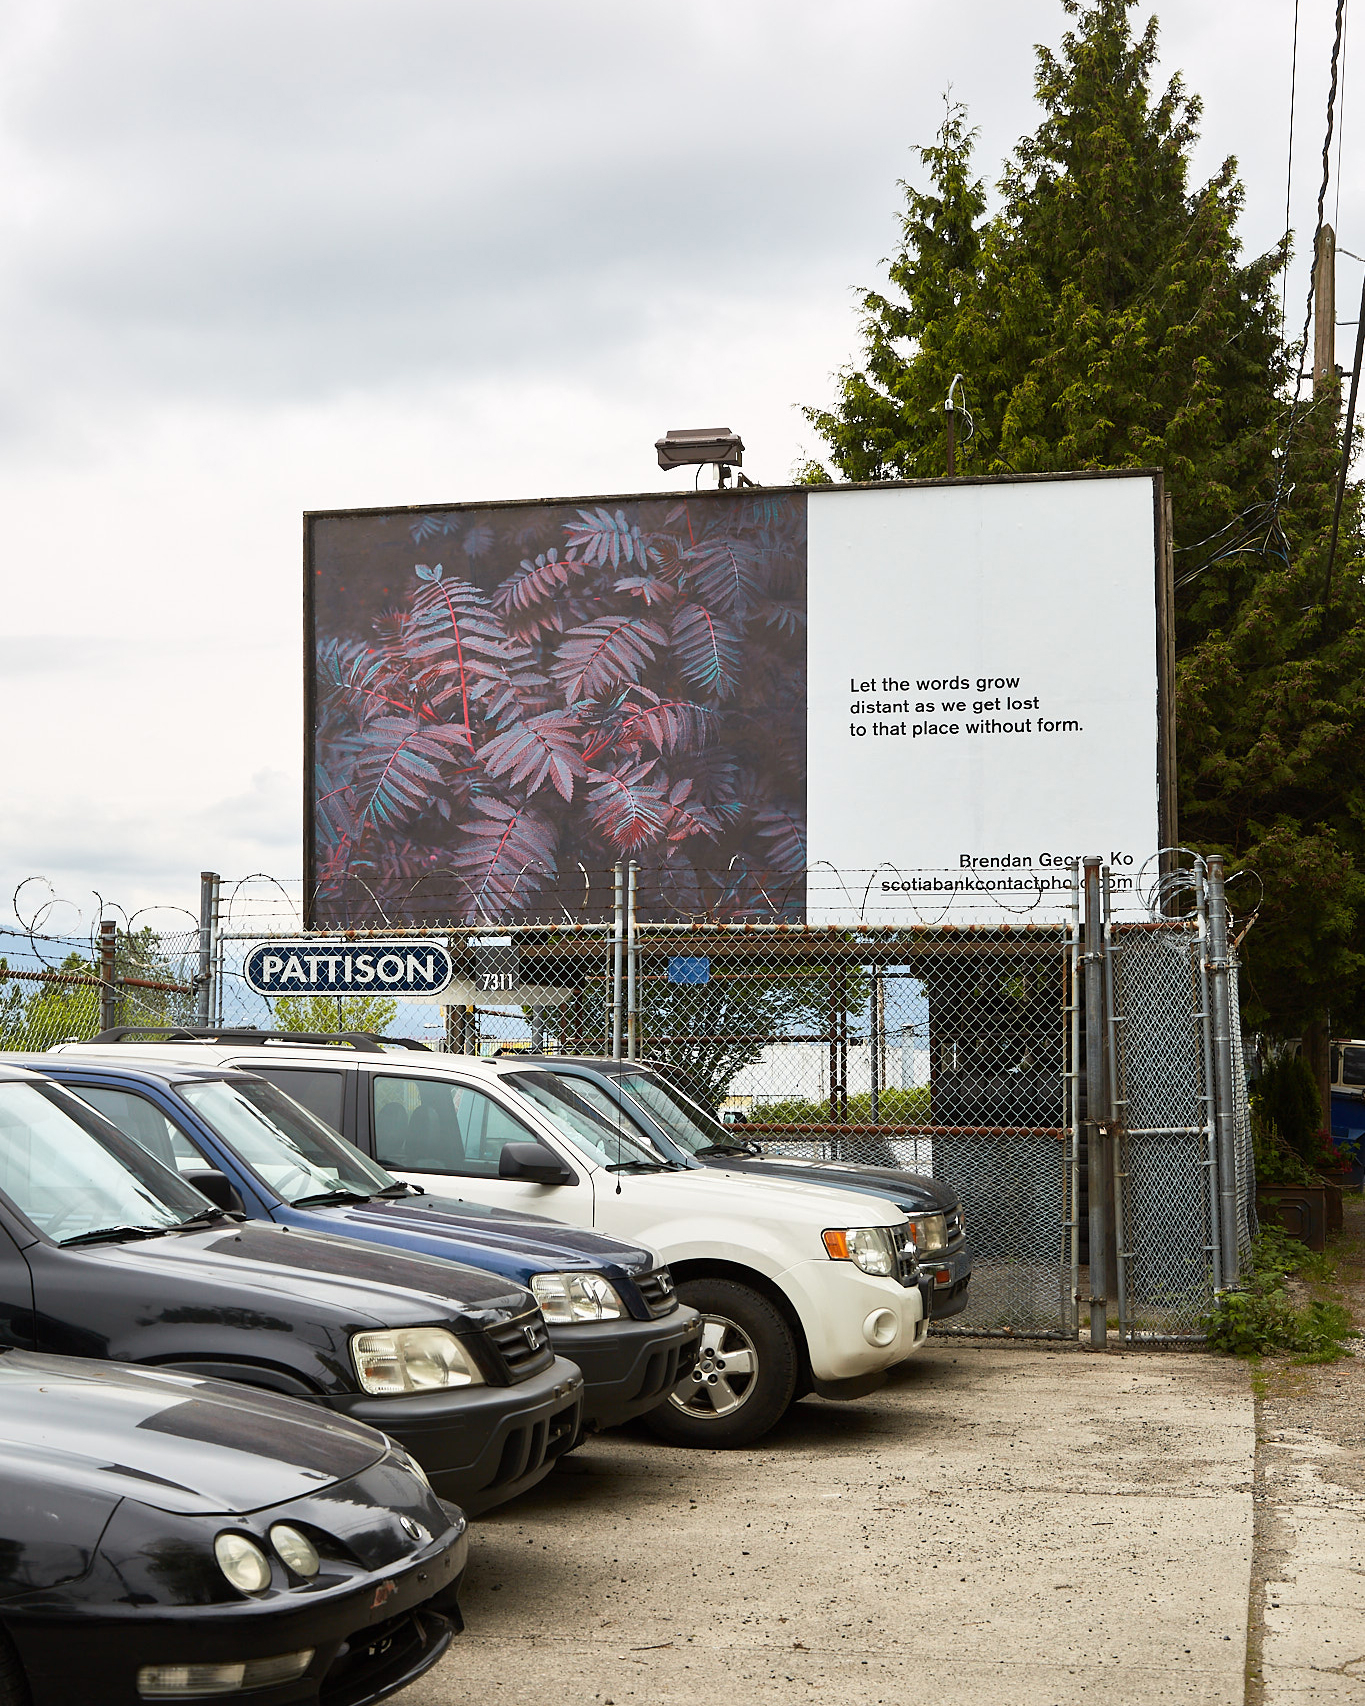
(824, 703)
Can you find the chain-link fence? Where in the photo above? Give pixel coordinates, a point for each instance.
(57, 988)
(956, 1049)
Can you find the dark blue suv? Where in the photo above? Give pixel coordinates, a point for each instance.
(609, 1306)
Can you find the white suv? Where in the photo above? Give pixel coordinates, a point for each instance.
(803, 1288)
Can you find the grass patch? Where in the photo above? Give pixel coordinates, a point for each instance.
(1261, 1316)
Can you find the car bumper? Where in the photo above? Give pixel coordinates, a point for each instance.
(837, 1303)
(369, 1638)
(629, 1367)
(481, 1445)
(951, 1274)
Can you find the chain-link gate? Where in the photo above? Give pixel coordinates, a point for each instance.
(1173, 1187)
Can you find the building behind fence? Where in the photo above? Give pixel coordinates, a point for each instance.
(1015, 1060)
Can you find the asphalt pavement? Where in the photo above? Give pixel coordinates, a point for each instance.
(1003, 1525)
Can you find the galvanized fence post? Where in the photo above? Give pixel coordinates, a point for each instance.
(1223, 1087)
(210, 886)
(618, 945)
(1210, 1094)
(632, 968)
(108, 974)
(1073, 1090)
(1096, 1107)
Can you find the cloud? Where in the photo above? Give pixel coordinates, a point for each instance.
(263, 256)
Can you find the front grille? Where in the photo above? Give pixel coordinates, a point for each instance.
(522, 1345)
(528, 1446)
(657, 1290)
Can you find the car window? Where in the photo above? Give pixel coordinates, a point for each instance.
(430, 1125)
(143, 1121)
(606, 1139)
(1353, 1066)
(285, 1145)
(73, 1173)
(680, 1117)
(320, 1092)
(602, 1103)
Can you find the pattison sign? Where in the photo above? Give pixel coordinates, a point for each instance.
(337, 966)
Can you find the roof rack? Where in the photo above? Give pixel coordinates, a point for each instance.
(252, 1034)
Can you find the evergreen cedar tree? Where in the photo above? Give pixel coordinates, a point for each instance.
(1103, 318)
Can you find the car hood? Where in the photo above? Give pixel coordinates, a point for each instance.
(84, 1435)
(547, 1242)
(313, 1272)
(783, 1202)
(916, 1192)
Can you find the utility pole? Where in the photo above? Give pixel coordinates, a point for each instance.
(1325, 311)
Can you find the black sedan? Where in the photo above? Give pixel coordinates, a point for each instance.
(167, 1538)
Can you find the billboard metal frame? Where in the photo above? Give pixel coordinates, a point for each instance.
(1167, 835)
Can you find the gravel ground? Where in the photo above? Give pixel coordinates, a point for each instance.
(1306, 1635)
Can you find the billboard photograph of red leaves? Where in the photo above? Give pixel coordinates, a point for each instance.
(509, 699)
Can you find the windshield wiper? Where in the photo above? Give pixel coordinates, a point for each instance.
(114, 1234)
(645, 1167)
(400, 1189)
(207, 1214)
(728, 1149)
(324, 1197)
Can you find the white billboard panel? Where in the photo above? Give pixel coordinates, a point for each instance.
(982, 695)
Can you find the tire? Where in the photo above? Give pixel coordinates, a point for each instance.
(13, 1683)
(718, 1407)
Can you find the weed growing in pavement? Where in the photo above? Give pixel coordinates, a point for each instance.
(1261, 1316)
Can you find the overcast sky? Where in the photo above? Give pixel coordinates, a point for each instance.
(263, 256)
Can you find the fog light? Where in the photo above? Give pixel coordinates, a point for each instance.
(881, 1327)
(155, 1682)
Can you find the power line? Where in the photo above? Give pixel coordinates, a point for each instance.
(1289, 172)
(1317, 238)
(1341, 130)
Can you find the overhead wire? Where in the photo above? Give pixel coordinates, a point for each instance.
(1289, 171)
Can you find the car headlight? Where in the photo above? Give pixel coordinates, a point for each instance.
(296, 1549)
(871, 1248)
(412, 1359)
(928, 1233)
(564, 1298)
(242, 1562)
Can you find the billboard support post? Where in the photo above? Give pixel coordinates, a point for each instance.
(1224, 1096)
(1096, 1106)
(617, 949)
(632, 992)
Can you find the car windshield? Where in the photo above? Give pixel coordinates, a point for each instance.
(687, 1124)
(77, 1177)
(288, 1149)
(608, 1143)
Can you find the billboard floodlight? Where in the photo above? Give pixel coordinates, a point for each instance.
(686, 447)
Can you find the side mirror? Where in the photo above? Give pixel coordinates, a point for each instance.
(535, 1162)
(218, 1188)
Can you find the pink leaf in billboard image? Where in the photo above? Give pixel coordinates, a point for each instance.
(545, 749)
(506, 852)
(707, 649)
(629, 807)
(785, 834)
(603, 653)
(398, 765)
(536, 582)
